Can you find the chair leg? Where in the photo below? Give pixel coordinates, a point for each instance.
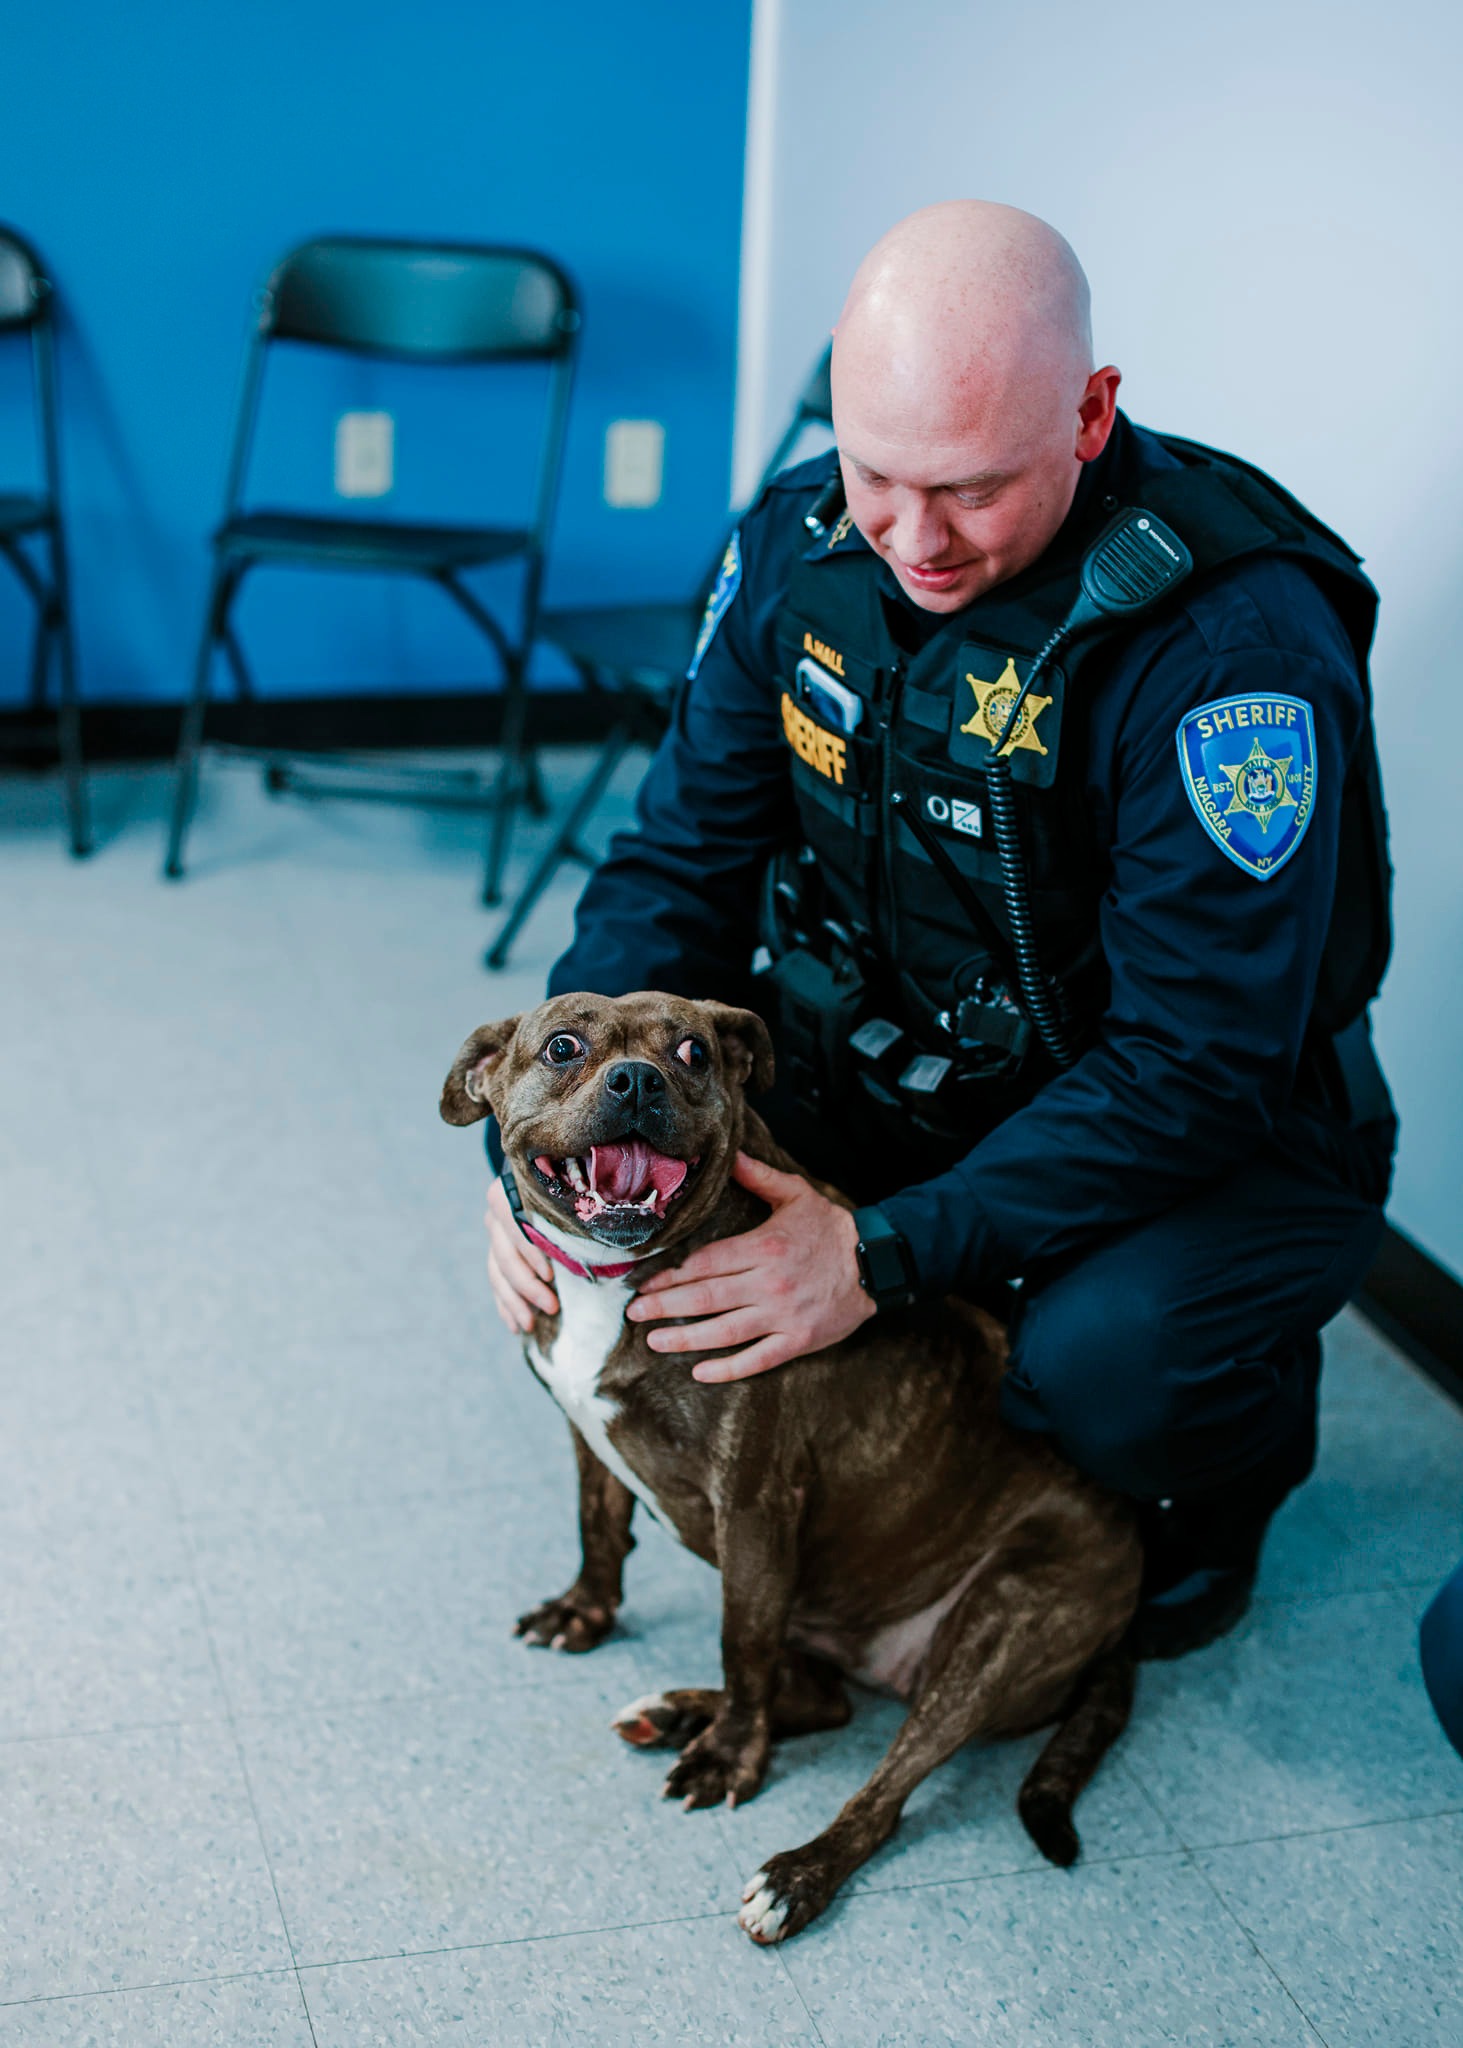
(564, 846)
(534, 794)
(511, 786)
(68, 729)
(238, 667)
(39, 659)
(68, 702)
(190, 734)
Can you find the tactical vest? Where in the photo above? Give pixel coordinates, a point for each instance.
(874, 732)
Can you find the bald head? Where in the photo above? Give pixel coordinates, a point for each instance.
(964, 352)
(961, 312)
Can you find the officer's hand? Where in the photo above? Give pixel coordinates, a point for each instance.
(786, 1288)
(518, 1271)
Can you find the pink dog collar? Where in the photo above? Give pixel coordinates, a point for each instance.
(546, 1244)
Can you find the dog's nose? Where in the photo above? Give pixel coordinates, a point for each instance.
(635, 1084)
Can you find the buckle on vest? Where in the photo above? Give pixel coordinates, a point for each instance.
(924, 1077)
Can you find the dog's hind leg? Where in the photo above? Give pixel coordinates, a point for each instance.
(808, 1696)
(1005, 1657)
(582, 1618)
(1095, 1718)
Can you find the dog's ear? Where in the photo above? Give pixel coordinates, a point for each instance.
(465, 1098)
(746, 1045)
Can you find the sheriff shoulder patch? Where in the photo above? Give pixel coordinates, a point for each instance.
(728, 582)
(1249, 769)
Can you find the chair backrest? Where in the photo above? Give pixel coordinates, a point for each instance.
(27, 305)
(421, 301)
(24, 288)
(814, 407)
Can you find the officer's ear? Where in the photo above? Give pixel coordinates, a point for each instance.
(466, 1093)
(746, 1046)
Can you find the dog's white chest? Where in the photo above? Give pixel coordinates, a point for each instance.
(592, 1315)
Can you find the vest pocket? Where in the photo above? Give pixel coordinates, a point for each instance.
(838, 759)
(951, 802)
(952, 807)
(827, 711)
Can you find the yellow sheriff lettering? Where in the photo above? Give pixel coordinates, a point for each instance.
(821, 651)
(992, 714)
(1253, 711)
(823, 751)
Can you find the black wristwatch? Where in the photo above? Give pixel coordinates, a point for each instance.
(885, 1268)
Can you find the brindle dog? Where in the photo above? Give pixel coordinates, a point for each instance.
(870, 1514)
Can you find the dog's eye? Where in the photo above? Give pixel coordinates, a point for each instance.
(563, 1049)
(691, 1053)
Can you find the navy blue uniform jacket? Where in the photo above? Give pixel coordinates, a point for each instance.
(1213, 971)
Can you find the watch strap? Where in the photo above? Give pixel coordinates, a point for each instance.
(885, 1268)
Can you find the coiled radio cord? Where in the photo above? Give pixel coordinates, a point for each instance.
(1037, 993)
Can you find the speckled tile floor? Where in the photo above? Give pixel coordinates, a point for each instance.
(273, 1486)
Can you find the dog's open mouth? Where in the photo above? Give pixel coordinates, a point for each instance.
(617, 1181)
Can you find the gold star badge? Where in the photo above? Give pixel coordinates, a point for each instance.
(1261, 785)
(992, 714)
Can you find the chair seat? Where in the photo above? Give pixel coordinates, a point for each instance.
(23, 514)
(646, 642)
(364, 543)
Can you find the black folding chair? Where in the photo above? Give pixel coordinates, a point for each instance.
(30, 523)
(636, 656)
(411, 302)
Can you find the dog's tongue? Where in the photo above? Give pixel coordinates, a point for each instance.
(626, 1173)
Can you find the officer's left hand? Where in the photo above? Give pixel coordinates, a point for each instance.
(786, 1288)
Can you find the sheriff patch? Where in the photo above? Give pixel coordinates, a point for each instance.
(1249, 767)
(728, 582)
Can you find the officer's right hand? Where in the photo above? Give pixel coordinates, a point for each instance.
(518, 1272)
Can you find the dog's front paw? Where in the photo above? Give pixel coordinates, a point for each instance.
(569, 1623)
(717, 1768)
(788, 1892)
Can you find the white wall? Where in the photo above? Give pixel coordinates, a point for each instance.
(1266, 199)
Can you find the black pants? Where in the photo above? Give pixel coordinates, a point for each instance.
(1178, 1357)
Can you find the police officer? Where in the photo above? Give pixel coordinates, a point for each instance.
(1056, 736)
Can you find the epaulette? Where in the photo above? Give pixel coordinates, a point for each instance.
(812, 476)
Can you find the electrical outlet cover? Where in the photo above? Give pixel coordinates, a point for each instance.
(365, 454)
(634, 463)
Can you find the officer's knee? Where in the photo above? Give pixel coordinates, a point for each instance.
(1104, 1389)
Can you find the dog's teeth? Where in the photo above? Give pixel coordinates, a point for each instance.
(574, 1174)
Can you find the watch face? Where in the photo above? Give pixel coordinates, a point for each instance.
(881, 1270)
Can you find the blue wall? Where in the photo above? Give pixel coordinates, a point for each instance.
(163, 157)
